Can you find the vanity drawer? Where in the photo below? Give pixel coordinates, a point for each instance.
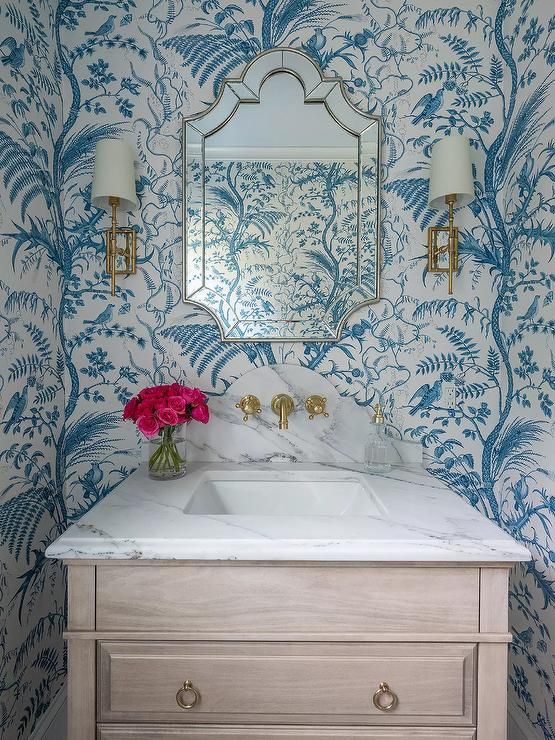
(290, 602)
(198, 732)
(305, 683)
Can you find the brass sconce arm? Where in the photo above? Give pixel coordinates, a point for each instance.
(436, 249)
(113, 253)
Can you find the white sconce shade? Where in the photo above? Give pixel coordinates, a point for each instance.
(114, 175)
(451, 172)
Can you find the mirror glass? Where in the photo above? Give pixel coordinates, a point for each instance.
(281, 204)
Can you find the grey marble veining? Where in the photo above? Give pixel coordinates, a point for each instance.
(339, 438)
(418, 520)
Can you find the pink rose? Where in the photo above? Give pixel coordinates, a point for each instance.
(201, 413)
(166, 405)
(155, 391)
(130, 409)
(148, 425)
(175, 389)
(177, 403)
(187, 394)
(167, 416)
(198, 397)
(193, 396)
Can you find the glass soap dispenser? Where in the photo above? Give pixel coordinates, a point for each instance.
(379, 449)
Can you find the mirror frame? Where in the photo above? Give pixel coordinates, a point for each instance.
(246, 89)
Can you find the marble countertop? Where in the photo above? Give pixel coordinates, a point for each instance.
(420, 521)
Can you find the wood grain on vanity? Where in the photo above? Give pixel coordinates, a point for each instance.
(290, 650)
(252, 599)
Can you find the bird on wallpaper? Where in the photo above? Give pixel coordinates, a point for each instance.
(106, 28)
(524, 177)
(532, 310)
(103, 317)
(16, 56)
(520, 493)
(429, 105)
(317, 41)
(17, 405)
(428, 395)
(90, 481)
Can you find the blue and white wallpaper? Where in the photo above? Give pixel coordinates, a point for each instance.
(32, 505)
(279, 252)
(75, 71)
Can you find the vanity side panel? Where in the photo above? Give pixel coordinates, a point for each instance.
(81, 654)
(492, 692)
(81, 690)
(494, 600)
(493, 658)
(254, 600)
(81, 594)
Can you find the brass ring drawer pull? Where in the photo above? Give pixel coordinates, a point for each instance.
(381, 697)
(194, 696)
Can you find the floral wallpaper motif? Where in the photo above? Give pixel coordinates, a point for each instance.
(279, 255)
(428, 68)
(32, 505)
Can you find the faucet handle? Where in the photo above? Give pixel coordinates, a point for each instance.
(249, 405)
(316, 405)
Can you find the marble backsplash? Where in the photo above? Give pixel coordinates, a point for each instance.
(341, 437)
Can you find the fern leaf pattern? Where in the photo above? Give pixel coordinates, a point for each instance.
(489, 70)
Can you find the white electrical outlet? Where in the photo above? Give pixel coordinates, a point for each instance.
(450, 395)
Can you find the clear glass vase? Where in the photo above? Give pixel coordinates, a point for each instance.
(167, 455)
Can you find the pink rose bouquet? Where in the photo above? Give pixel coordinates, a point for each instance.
(158, 412)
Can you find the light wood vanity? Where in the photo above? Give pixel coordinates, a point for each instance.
(286, 650)
(387, 626)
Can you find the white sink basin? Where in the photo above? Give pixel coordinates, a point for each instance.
(260, 493)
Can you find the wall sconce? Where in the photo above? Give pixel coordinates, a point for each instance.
(451, 184)
(114, 187)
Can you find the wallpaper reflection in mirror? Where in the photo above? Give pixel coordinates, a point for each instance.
(282, 204)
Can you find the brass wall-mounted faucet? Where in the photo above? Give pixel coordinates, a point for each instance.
(283, 405)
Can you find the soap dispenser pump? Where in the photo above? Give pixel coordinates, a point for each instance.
(379, 449)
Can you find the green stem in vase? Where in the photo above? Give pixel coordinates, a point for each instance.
(166, 457)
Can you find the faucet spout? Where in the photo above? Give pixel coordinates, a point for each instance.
(283, 415)
(283, 405)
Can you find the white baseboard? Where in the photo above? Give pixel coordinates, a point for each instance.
(52, 724)
(519, 727)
